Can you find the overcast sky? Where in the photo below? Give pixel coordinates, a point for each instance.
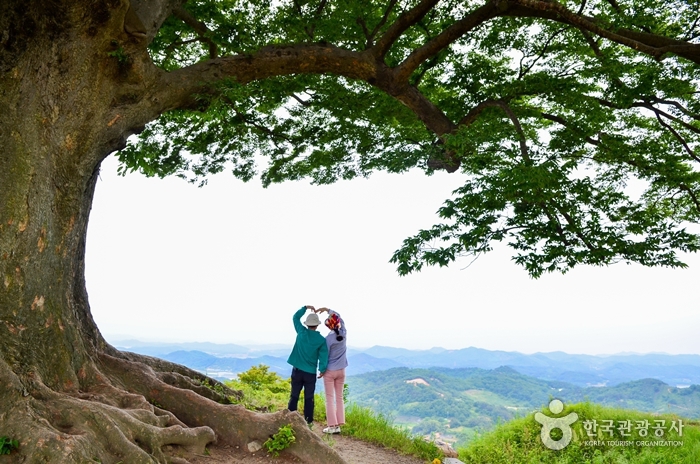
(231, 263)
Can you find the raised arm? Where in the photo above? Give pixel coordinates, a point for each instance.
(330, 312)
(298, 326)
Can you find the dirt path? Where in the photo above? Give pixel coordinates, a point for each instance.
(354, 452)
(360, 452)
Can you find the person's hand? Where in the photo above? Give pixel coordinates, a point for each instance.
(311, 308)
(320, 375)
(320, 310)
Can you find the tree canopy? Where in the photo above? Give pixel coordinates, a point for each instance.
(576, 123)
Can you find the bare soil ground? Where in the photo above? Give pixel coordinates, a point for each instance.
(352, 450)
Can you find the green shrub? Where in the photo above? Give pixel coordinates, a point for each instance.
(262, 390)
(280, 441)
(259, 377)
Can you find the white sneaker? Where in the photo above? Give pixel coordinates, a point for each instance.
(335, 429)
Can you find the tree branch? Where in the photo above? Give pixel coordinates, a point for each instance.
(657, 111)
(381, 23)
(170, 49)
(598, 53)
(651, 107)
(615, 5)
(312, 29)
(178, 89)
(248, 120)
(574, 226)
(541, 54)
(431, 63)
(554, 220)
(153, 13)
(406, 20)
(300, 100)
(692, 195)
(582, 7)
(199, 27)
(474, 113)
(365, 31)
(518, 128)
(447, 37)
(567, 124)
(653, 45)
(678, 137)
(675, 104)
(431, 115)
(690, 35)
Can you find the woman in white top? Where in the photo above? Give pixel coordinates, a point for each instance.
(334, 377)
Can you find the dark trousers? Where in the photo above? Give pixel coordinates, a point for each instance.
(307, 381)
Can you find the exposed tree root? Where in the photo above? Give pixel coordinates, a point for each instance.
(104, 425)
(130, 412)
(233, 424)
(184, 377)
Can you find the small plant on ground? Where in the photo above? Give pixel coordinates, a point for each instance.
(328, 439)
(7, 445)
(280, 441)
(156, 404)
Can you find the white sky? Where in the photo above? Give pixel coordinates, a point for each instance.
(231, 262)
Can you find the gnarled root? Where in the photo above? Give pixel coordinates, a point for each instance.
(233, 424)
(55, 427)
(184, 377)
(125, 411)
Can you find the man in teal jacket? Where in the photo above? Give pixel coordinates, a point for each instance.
(309, 350)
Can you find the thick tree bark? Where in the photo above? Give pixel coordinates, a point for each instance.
(65, 394)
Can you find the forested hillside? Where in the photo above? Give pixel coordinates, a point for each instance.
(461, 402)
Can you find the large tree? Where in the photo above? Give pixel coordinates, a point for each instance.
(576, 124)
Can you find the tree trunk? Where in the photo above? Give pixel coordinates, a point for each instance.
(65, 394)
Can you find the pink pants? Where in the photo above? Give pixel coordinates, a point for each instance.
(333, 382)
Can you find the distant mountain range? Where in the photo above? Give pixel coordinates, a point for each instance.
(226, 360)
(462, 393)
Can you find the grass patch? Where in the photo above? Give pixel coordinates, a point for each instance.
(518, 441)
(366, 425)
